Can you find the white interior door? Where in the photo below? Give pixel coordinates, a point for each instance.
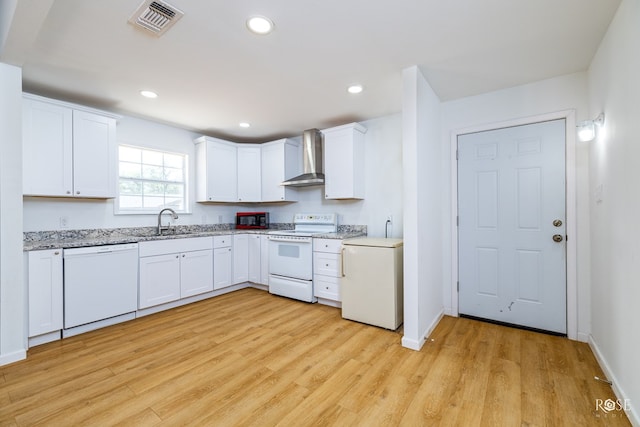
(511, 208)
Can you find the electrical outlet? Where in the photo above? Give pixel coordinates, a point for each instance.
(64, 222)
(219, 219)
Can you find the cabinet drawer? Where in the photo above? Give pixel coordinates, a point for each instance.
(172, 246)
(326, 287)
(327, 264)
(327, 245)
(222, 241)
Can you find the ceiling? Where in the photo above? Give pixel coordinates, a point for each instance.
(211, 73)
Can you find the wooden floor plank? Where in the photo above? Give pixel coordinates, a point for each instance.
(253, 359)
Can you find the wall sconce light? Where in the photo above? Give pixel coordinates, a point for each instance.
(587, 128)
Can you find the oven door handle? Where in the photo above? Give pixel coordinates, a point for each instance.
(285, 239)
(342, 262)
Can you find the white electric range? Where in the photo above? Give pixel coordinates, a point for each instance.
(291, 255)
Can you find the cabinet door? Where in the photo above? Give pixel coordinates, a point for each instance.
(45, 291)
(264, 259)
(344, 162)
(281, 160)
(222, 268)
(255, 249)
(47, 149)
(159, 280)
(240, 258)
(221, 164)
(93, 155)
(249, 175)
(196, 272)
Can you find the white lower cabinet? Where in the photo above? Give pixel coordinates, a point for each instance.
(196, 272)
(327, 268)
(45, 291)
(159, 280)
(174, 269)
(222, 261)
(255, 255)
(240, 258)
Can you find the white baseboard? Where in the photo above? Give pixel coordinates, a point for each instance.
(13, 357)
(448, 311)
(417, 344)
(45, 338)
(632, 414)
(582, 337)
(184, 301)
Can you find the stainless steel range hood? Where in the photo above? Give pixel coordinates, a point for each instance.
(312, 161)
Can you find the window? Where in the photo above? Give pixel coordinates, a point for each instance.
(150, 180)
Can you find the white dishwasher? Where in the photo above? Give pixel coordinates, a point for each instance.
(100, 282)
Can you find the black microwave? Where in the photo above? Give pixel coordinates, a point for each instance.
(249, 220)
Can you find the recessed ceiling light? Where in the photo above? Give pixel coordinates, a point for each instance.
(354, 89)
(148, 94)
(260, 25)
(244, 124)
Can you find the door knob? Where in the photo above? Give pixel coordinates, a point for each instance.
(557, 238)
(557, 223)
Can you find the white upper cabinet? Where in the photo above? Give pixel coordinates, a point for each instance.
(216, 170)
(281, 160)
(68, 151)
(344, 162)
(249, 173)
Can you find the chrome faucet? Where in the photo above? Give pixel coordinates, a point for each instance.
(162, 228)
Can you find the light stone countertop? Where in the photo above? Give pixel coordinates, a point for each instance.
(66, 239)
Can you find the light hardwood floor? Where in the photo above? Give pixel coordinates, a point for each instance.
(252, 359)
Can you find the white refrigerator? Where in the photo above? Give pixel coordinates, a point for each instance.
(371, 285)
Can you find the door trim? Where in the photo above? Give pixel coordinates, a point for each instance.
(571, 206)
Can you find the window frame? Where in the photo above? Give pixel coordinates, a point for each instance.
(152, 211)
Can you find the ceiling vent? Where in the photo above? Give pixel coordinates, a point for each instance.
(156, 16)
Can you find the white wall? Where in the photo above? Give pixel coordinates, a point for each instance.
(383, 185)
(383, 190)
(614, 88)
(534, 99)
(12, 289)
(422, 169)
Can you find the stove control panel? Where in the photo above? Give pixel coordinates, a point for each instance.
(323, 218)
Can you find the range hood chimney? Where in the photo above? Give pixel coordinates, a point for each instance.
(312, 161)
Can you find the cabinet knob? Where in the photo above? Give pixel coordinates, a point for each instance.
(68, 192)
(77, 192)
(56, 253)
(229, 249)
(177, 256)
(182, 255)
(326, 265)
(281, 198)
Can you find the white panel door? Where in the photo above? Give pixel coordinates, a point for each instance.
(249, 173)
(47, 149)
(196, 272)
(93, 155)
(511, 204)
(240, 258)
